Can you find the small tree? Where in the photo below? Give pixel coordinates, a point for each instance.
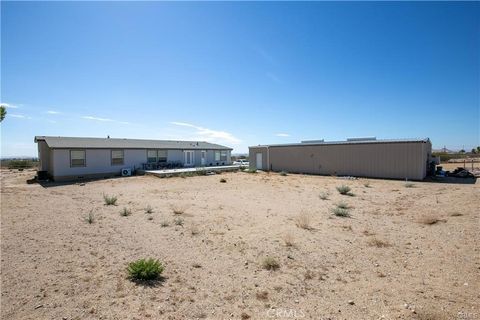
(3, 112)
(474, 150)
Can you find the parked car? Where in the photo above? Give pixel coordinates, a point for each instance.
(241, 162)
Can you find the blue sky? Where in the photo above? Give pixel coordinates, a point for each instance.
(240, 74)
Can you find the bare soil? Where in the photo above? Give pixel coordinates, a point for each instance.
(404, 253)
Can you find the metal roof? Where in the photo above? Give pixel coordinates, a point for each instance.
(316, 143)
(102, 143)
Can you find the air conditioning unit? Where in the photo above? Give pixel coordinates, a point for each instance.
(126, 172)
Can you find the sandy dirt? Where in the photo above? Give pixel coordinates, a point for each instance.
(384, 262)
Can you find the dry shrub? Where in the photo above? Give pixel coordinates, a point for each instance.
(178, 210)
(270, 263)
(194, 230)
(368, 233)
(309, 275)
(379, 243)
(303, 221)
(262, 295)
(428, 220)
(245, 316)
(289, 240)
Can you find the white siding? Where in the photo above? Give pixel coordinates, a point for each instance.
(97, 161)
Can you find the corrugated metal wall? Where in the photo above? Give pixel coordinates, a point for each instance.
(399, 160)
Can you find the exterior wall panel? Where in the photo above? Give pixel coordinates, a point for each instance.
(252, 157)
(43, 155)
(98, 162)
(398, 160)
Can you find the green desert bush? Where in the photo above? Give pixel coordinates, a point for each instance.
(283, 173)
(90, 218)
(409, 185)
(110, 200)
(164, 224)
(341, 212)
(323, 195)
(19, 164)
(125, 212)
(344, 190)
(343, 205)
(178, 221)
(145, 269)
(223, 180)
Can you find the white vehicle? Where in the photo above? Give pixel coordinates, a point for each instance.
(241, 162)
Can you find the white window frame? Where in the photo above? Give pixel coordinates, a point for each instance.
(152, 150)
(158, 155)
(111, 157)
(223, 155)
(84, 158)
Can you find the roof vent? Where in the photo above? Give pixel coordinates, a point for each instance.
(362, 139)
(313, 141)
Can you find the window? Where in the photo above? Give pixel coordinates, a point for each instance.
(151, 156)
(217, 155)
(77, 158)
(154, 156)
(117, 157)
(162, 155)
(223, 155)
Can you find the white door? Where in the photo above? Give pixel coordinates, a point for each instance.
(188, 161)
(259, 161)
(204, 157)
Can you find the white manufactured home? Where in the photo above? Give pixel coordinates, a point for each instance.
(71, 158)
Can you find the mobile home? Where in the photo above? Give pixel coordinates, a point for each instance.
(70, 158)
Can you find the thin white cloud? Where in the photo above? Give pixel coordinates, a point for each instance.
(103, 119)
(17, 116)
(97, 119)
(53, 112)
(282, 135)
(8, 105)
(209, 134)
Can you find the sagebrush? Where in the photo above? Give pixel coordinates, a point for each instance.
(110, 200)
(345, 190)
(341, 212)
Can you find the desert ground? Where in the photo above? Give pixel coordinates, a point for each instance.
(404, 252)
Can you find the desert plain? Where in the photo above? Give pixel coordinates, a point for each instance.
(403, 253)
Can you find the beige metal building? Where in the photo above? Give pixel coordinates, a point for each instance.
(394, 159)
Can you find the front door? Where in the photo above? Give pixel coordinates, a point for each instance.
(204, 157)
(188, 161)
(259, 161)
